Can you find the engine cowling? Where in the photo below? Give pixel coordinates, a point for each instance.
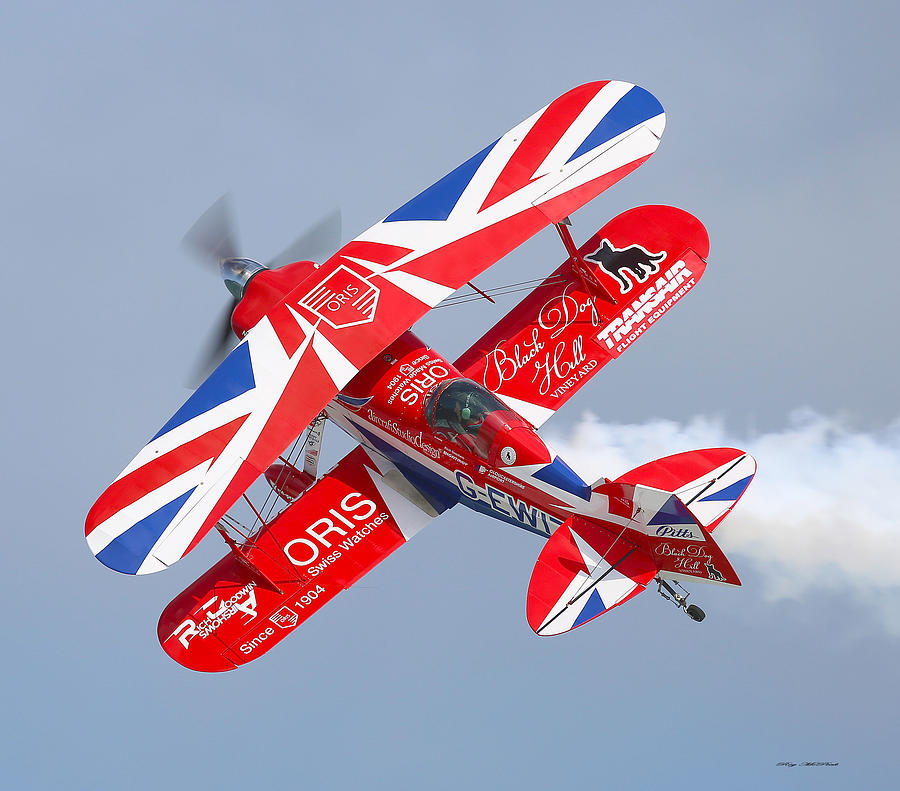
(265, 289)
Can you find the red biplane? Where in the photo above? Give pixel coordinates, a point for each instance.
(333, 341)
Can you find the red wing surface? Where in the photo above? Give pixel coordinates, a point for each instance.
(554, 341)
(708, 481)
(584, 570)
(346, 524)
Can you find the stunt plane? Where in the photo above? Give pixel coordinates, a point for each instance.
(332, 341)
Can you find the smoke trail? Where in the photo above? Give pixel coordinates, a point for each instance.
(818, 514)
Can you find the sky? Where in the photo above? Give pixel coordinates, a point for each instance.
(122, 123)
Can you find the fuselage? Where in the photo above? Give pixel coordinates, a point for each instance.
(455, 441)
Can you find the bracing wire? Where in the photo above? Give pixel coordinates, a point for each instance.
(501, 291)
(266, 503)
(271, 494)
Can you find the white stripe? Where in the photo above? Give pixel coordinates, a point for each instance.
(126, 518)
(605, 99)
(370, 265)
(423, 290)
(408, 517)
(426, 236)
(197, 426)
(268, 360)
(707, 512)
(615, 588)
(316, 303)
(485, 178)
(178, 535)
(625, 150)
(339, 368)
(592, 559)
(173, 543)
(564, 621)
(534, 414)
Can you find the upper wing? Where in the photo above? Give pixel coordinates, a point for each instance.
(550, 345)
(346, 524)
(309, 345)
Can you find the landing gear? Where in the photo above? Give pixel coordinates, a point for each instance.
(680, 600)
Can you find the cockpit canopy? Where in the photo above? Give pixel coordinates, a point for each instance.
(473, 418)
(467, 414)
(460, 405)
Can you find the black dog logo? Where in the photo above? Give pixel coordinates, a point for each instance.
(714, 573)
(635, 259)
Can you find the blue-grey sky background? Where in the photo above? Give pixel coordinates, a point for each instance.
(123, 122)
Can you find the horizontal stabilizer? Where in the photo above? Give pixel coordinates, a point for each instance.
(708, 481)
(584, 570)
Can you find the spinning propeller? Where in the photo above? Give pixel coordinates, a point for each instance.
(213, 241)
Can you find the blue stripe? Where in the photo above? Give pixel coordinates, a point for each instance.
(350, 401)
(439, 492)
(730, 492)
(436, 202)
(673, 512)
(232, 378)
(562, 476)
(592, 608)
(129, 550)
(483, 508)
(635, 107)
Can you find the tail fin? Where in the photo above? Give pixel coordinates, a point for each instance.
(592, 564)
(669, 508)
(660, 525)
(654, 521)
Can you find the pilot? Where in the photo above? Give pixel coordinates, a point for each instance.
(466, 420)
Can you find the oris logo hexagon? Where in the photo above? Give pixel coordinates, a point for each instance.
(343, 299)
(285, 618)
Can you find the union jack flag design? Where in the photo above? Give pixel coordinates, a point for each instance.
(311, 344)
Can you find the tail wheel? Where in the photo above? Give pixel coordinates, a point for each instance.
(695, 613)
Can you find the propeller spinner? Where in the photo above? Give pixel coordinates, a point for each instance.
(213, 240)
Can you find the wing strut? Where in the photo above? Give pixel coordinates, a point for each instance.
(258, 575)
(486, 296)
(313, 445)
(286, 480)
(589, 280)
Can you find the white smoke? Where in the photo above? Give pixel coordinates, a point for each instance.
(819, 515)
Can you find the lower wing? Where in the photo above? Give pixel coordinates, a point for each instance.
(257, 595)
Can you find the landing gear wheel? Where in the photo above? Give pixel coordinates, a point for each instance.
(695, 613)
